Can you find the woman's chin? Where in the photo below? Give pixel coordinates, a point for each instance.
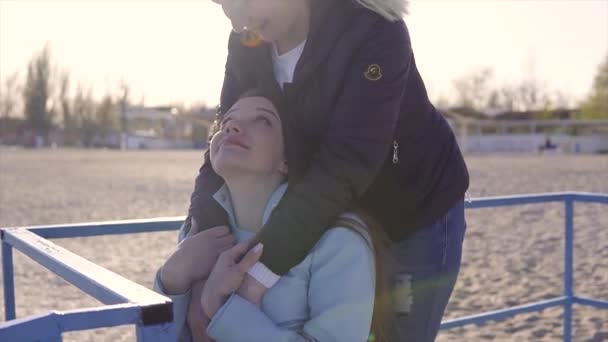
(232, 168)
(243, 171)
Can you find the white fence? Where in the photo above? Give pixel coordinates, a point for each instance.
(156, 143)
(533, 142)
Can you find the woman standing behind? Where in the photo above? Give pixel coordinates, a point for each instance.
(372, 138)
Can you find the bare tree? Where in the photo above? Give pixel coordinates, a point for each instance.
(494, 99)
(124, 100)
(63, 99)
(473, 89)
(561, 100)
(83, 108)
(508, 98)
(532, 94)
(36, 93)
(107, 116)
(9, 95)
(596, 105)
(529, 95)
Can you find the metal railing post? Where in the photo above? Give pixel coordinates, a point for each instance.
(156, 333)
(9, 281)
(568, 265)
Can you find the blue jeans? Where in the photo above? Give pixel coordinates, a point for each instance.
(424, 268)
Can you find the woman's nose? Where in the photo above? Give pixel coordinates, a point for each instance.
(233, 126)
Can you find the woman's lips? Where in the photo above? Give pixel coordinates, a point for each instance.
(232, 141)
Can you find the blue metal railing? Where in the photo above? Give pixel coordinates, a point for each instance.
(125, 302)
(568, 298)
(130, 303)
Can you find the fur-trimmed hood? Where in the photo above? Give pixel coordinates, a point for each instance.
(392, 10)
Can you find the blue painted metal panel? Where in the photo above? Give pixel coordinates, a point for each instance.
(493, 202)
(502, 314)
(34, 328)
(156, 333)
(590, 197)
(109, 227)
(93, 318)
(8, 279)
(52, 324)
(102, 284)
(598, 304)
(500, 201)
(568, 264)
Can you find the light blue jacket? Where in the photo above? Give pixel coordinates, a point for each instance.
(329, 296)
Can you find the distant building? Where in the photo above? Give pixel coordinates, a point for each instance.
(165, 127)
(150, 113)
(527, 132)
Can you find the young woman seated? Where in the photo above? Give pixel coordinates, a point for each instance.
(329, 296)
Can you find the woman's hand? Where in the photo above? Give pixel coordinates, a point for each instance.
(194, 257)
(227, 275)
(252, 290)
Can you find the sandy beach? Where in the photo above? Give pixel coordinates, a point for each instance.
(511, 255)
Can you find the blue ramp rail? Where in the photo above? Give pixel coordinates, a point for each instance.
(127, 303)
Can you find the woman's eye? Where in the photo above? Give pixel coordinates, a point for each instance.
(224, 122)
(264, 119)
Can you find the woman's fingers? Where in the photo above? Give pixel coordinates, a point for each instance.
(225, 242)
(215, 232)
(218, 231)
(251, 258)
(193, 228)
(234, 253)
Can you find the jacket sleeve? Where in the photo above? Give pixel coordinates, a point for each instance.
(357, 142)
(180, 301)
(207, 212)
(180, 307)
(340, 298)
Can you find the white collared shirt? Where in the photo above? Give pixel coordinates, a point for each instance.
(285, 64)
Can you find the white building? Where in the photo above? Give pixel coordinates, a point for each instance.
(566, 136)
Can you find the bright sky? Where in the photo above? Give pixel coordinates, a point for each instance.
(174, 51)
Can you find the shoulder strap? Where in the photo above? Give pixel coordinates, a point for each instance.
(352, 221)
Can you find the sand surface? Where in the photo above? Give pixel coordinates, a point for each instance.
(511, 255)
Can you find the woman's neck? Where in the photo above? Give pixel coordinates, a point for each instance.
(250, 196)
(297, 33)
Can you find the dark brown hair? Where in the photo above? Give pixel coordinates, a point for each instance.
(275, 99)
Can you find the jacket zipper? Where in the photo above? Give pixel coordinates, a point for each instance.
(395, 152)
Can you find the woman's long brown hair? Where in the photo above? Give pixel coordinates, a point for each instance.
(382, 329)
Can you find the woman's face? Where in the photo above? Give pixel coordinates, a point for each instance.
(272, 19)
(250, 140)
